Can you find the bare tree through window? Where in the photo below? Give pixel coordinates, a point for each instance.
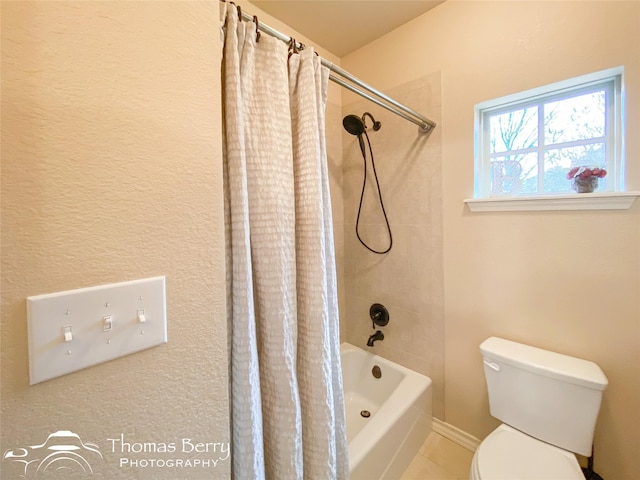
(532, 148)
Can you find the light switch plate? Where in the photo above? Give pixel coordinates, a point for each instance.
(75, 329)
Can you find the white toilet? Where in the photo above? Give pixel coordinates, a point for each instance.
(549, 404)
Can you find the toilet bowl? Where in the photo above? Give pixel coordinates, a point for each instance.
(508, 454)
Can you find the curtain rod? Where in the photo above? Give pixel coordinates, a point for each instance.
(357, 86)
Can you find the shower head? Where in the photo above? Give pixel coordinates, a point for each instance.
(353, 124)
(356, 126)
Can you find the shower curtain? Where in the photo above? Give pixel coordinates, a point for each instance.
(287, 402)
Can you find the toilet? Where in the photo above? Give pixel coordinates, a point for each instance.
(548, 403)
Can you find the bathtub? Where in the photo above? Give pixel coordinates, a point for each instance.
(382, 444)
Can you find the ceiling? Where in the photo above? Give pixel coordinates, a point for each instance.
(342, 26)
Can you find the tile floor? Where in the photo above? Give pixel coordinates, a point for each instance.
(439, 459)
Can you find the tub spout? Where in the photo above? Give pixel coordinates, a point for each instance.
(376, 336)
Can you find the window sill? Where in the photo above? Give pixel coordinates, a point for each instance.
(582, 201)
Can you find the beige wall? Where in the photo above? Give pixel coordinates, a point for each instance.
(566, 281)
(111, 171)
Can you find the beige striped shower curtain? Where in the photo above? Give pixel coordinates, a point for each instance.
(287, 404)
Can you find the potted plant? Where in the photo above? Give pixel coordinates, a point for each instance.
(585, 179)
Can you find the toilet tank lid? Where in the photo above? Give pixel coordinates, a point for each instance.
(543, 362)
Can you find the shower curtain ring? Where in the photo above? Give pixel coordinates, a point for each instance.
(239, 12)
(255, 20)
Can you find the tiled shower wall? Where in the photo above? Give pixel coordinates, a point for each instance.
(409, 279)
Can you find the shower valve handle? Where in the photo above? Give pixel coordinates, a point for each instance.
(379, 315)
(375, 317)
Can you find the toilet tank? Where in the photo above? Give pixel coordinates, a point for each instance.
(550, 396)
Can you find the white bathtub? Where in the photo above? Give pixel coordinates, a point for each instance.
(399, 402)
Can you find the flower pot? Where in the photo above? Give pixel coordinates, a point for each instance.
(584, 185)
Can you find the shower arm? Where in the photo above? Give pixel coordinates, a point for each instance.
(360, 88)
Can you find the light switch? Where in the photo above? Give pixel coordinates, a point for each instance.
(76, 329)
(107, 323)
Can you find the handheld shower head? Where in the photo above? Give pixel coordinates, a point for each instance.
(353, 124)
(356, 125)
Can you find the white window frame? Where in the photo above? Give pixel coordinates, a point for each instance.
(613, 139)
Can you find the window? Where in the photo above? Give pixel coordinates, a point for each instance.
(527, 143)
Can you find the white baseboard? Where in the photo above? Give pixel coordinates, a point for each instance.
(456, 435)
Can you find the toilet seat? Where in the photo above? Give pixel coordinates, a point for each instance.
(508, 454)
